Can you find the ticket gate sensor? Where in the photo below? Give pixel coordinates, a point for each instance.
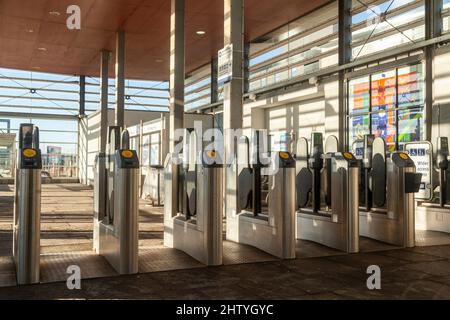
(118, 224)
(27, 206)
(333, 219)
(432, 210)
(196, 228)
(265, 217)
(393, 180)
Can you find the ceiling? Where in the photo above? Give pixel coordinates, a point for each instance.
(34, 37)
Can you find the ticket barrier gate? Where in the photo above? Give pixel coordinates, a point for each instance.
(327, 194)
(116, 228)
(433, 210)
(194, 225)
(387, 209)
(27, 206)
(265, 217)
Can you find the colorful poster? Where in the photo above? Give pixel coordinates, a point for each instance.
(54, 155)
(387, 92)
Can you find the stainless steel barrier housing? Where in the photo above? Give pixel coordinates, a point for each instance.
(27, 206)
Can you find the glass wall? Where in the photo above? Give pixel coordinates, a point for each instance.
(141, 95)
(304, 46)
(151, 147)
(197, 90)
(388, 104)
(445, 16)
(381, 25)
(51, 101)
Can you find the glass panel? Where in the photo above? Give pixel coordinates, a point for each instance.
(383, 125)
(308, 44)
(446, 4)
(154, 149)
(410, 87)
(358, 127)
(380, 25)
(359, 95)
(410, 125)
(370, 11)
(145, 149)
(383, 91)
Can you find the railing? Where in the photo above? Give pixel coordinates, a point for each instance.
(59, 171)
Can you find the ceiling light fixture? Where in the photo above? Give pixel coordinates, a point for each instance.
(200, 32)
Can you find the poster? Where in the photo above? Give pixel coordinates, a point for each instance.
(54, 155)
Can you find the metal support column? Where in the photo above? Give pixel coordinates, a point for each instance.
(233, 108)
(214, 85)
(82, 99)
(177, 74)
(104, 71)
(246, 67)
(345, 55)
(433, 29)
(120, 78)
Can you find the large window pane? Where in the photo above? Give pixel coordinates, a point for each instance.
(383, 91)
(304, 46)
(382, 25)
(154, 149)
(396, 106)
(384, 126)
(359, 95)
(146, 150)
(410, 86)
(358, 127)
(410, 125)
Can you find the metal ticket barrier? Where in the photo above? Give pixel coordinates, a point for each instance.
(196, 226)
(387, 213)
(116, 228)
(327, 194)
(442, 164)
(27, 206)
(432, 208)
(265, 217)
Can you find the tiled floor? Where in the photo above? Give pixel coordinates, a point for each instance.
(318, 272)
(405, 274)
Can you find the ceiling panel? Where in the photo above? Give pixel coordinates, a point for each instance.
(34, 35)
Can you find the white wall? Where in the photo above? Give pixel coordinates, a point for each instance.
(308, 109)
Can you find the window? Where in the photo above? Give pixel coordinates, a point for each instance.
(387, 104)
(151, 147)
(446, 16)
(381, 25)
(155, 144)
(304, 46)
(197, 90)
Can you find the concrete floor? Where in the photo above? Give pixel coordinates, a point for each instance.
(318, 273)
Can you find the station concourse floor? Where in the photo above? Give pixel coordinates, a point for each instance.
(318, 272)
